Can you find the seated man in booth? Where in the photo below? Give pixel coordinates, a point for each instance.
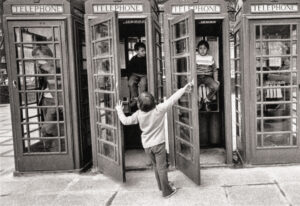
(137, 73)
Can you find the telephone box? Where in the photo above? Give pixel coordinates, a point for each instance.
(267, 73)
(112, 30)
(199, 132)
(48, 84)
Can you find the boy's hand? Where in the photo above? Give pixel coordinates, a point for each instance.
(188, 86)
(119, 106)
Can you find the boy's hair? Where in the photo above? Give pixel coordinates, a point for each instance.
(146, 102)
(44, 49)
(139, 45)
(203, 42)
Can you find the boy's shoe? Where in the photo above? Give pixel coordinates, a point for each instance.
(174, 190)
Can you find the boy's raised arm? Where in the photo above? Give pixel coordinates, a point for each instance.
(126, 120)
(174, 98)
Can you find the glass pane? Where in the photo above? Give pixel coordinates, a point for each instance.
(19, 51)
(105, 117)
(106, 134)
(276, 32)
(294, 63)
(180, 29)
(37, 34)
(294, 48)
(276, 110)
(107, 150)
(102, 66)
(56, 34)
(102, 48)
(183, 132)
(57, 51)
(259, 140)
(181, 65)
(294, 32)
(104, 100)
(273, 140)
(17, 35)
(185, 100)
(257, 29)
(104, 82)
(294, 139)
(101, 30)
(274, 125)
(180, 81)
(46, 145)
(275, 93)
(39, 51)
(183, 116)
(180, 46)
(185, 150)
(258, 127)
(275, 48)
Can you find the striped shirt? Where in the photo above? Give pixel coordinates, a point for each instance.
(205, 64)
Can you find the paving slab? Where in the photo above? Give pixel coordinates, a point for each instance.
(83, 199)
(284, 173)
(256, 195)
(292, 192)
(30, 200)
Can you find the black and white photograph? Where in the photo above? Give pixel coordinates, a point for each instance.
(149, 102)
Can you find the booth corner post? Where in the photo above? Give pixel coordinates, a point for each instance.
(209, 128)
(266, 56)
(47, 74)
(113, 28)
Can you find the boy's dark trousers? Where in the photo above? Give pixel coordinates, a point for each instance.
(157, 155)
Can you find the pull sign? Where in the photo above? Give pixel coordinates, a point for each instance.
(37, 9)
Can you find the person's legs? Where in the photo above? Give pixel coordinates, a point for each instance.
(133, 85)
(143, 84)
(152, 157)
(212, 85)
(161, 164)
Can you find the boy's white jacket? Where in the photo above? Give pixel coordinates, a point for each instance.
(151, 123)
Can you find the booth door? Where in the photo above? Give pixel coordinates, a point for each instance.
(276, 46)
(185, 111)
(105, 74)
(39, 86)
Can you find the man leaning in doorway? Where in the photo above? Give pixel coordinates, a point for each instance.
(137, 72)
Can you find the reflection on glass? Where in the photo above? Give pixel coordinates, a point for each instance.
(294, 63)
(276, 31)
(185, 150)
(294, 125)
(102, 47)
(183, 132)
(102, 66)
(105, 117)
(294, 48)
(37, 34)
(180, 81)
(181, 65)
(258, 127)
(101, 30)
(180, 29)
(180, 46)
(273, 140)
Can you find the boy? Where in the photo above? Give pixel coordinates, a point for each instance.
(206, 71)
(137, 72)
(151, 121)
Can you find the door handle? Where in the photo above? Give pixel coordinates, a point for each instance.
(14, 83)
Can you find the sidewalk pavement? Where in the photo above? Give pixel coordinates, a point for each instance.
(276, 185)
